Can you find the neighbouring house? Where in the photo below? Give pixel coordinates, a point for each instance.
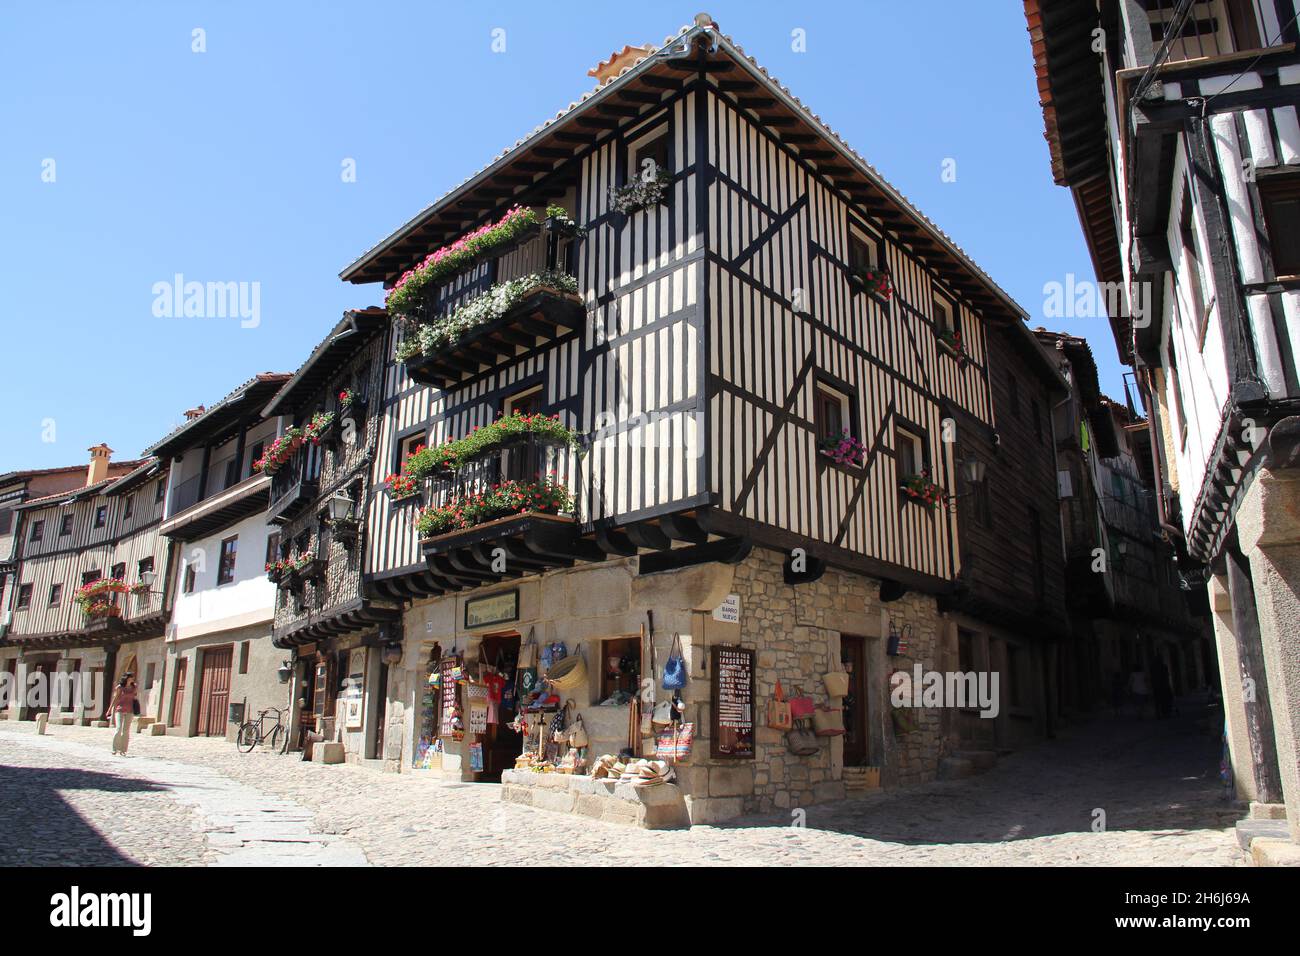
(680, 370)
(1175, 127)
(87, 599)
(220, 665)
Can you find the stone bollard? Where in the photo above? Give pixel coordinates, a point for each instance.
(41, 721)
(156, 729)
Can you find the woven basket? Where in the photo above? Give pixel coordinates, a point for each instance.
(568, 674)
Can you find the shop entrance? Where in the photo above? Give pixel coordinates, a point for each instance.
(499, 654)
(853, 657)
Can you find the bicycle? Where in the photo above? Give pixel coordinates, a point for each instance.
(253, 732)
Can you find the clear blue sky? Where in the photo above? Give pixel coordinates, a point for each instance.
(226, 166)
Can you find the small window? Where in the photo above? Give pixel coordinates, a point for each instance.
(232, 473)
(101, 516)
(90, 577)
(56, 594)
(1280, 197)
(226, 566)
(6, 520)
(243, 657)
(864, 252)
(273, 547)
(24, 596)
(832, 413)
(1194, 289)
(620, 662)
(649, 155)
(160, 490)
(65, 526)
(143, 565)
(525, 403)
(908, 453)
(408, 446)
(129, 507)
(118, 571)
(38, 530)
(190, 575)
(945, 316)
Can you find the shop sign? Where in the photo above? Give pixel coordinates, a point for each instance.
(729, 610)
(492, 609)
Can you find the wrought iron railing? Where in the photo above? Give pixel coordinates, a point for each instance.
(527, 458)
(299, 472)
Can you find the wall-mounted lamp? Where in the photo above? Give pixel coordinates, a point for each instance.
(285, 671)
(341, 521)
(973, 469)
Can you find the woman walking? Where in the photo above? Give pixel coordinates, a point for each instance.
(122, 707)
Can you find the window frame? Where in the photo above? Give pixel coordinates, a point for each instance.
(66, 523)
(189, 578)
(101, 517)
(37, 532)
(920, 445)
(226, 571)
(846, 397)
(939, 298)
(24, 601)
(661, 129)
(56, 595)
(1272, 189)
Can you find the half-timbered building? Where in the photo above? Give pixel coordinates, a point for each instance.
(1175, 126)
(723, 369)
(220, 664)
(88, 595)
(320, 475)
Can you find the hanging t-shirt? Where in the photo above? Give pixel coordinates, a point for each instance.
(495, 685)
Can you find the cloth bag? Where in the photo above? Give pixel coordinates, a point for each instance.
(837, 683)
(828, 721)
(675, 666)
(801, 741)
(526, 673)
(578, 733)
(801, 706)
(778, 711)
(675, 742)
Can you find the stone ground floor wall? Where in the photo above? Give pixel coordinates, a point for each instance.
(254, 682)
(795, 632)
(137, 656)
(363, 693)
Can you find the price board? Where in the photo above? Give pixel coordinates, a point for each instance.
(732, 697)
(448, 667)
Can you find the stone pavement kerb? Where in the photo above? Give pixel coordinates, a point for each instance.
(242, 825)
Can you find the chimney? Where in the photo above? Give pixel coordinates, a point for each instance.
(193, 413)
(98, 470)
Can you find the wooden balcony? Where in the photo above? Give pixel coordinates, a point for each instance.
(542, 317)
(201, 517)
(296, 485)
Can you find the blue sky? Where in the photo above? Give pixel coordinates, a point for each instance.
(226, 166)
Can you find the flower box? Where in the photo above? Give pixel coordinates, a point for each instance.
(843, 449)
(950, 341)
(501, 500)
(919, 489)
(641, 193)
(877, 283)
(446, 353)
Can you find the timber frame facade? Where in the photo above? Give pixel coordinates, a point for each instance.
(715, 319)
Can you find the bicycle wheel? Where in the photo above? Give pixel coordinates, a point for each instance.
(246, 739)
(279, 739)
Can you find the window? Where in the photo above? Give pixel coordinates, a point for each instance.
(908, 453)
(56, 593)
(129, 507)
(38, 530)
(118, 571)
(1194, 289)
(259, 448)
(945, 314)
(6, 520)
(226, 566)
(232, 473)
(620, 665)
(65, 526)
(1013, 394)
(407, 445)
(1176, 387)
(243, 657)
(649, 155)
(273, 547)
(101, 516)
(832, 412)
(190, 575)
(1280, 197)
(864, 251)
(24, 596)
(90, 577)
(525, 403)
(143, 565)
(159, 491)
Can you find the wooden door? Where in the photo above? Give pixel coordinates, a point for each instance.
(46, 669)
(852, 656)
(178, 692)
(214, 691)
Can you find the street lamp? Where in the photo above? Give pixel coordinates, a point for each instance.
(972, 469)
(341, 520)
(284, 672)
(147, 578)
(340, 507)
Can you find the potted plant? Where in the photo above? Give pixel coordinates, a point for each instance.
(641, 192)
(278, 453)
(843, 449)
(922, 490)
(508, 497)
(877, 281)
(951, 340)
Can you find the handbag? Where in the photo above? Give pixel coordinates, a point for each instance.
(837, 683)
(675, 666)
(675, 743)
(558, 734)
(528, 652)
(552, 654)
(526, 673)
(828, 721)
(578, 733)
(778, 711)
(135, 706)
(801, 707)
(662, 715)
(801, 741)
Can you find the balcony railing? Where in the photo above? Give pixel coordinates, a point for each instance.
(527, 458)
(1211, 28)
(295, 485)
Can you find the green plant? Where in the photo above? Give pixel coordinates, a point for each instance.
(546, 496)
(443, 333)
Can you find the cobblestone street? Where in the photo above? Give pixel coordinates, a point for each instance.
(179, 801)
